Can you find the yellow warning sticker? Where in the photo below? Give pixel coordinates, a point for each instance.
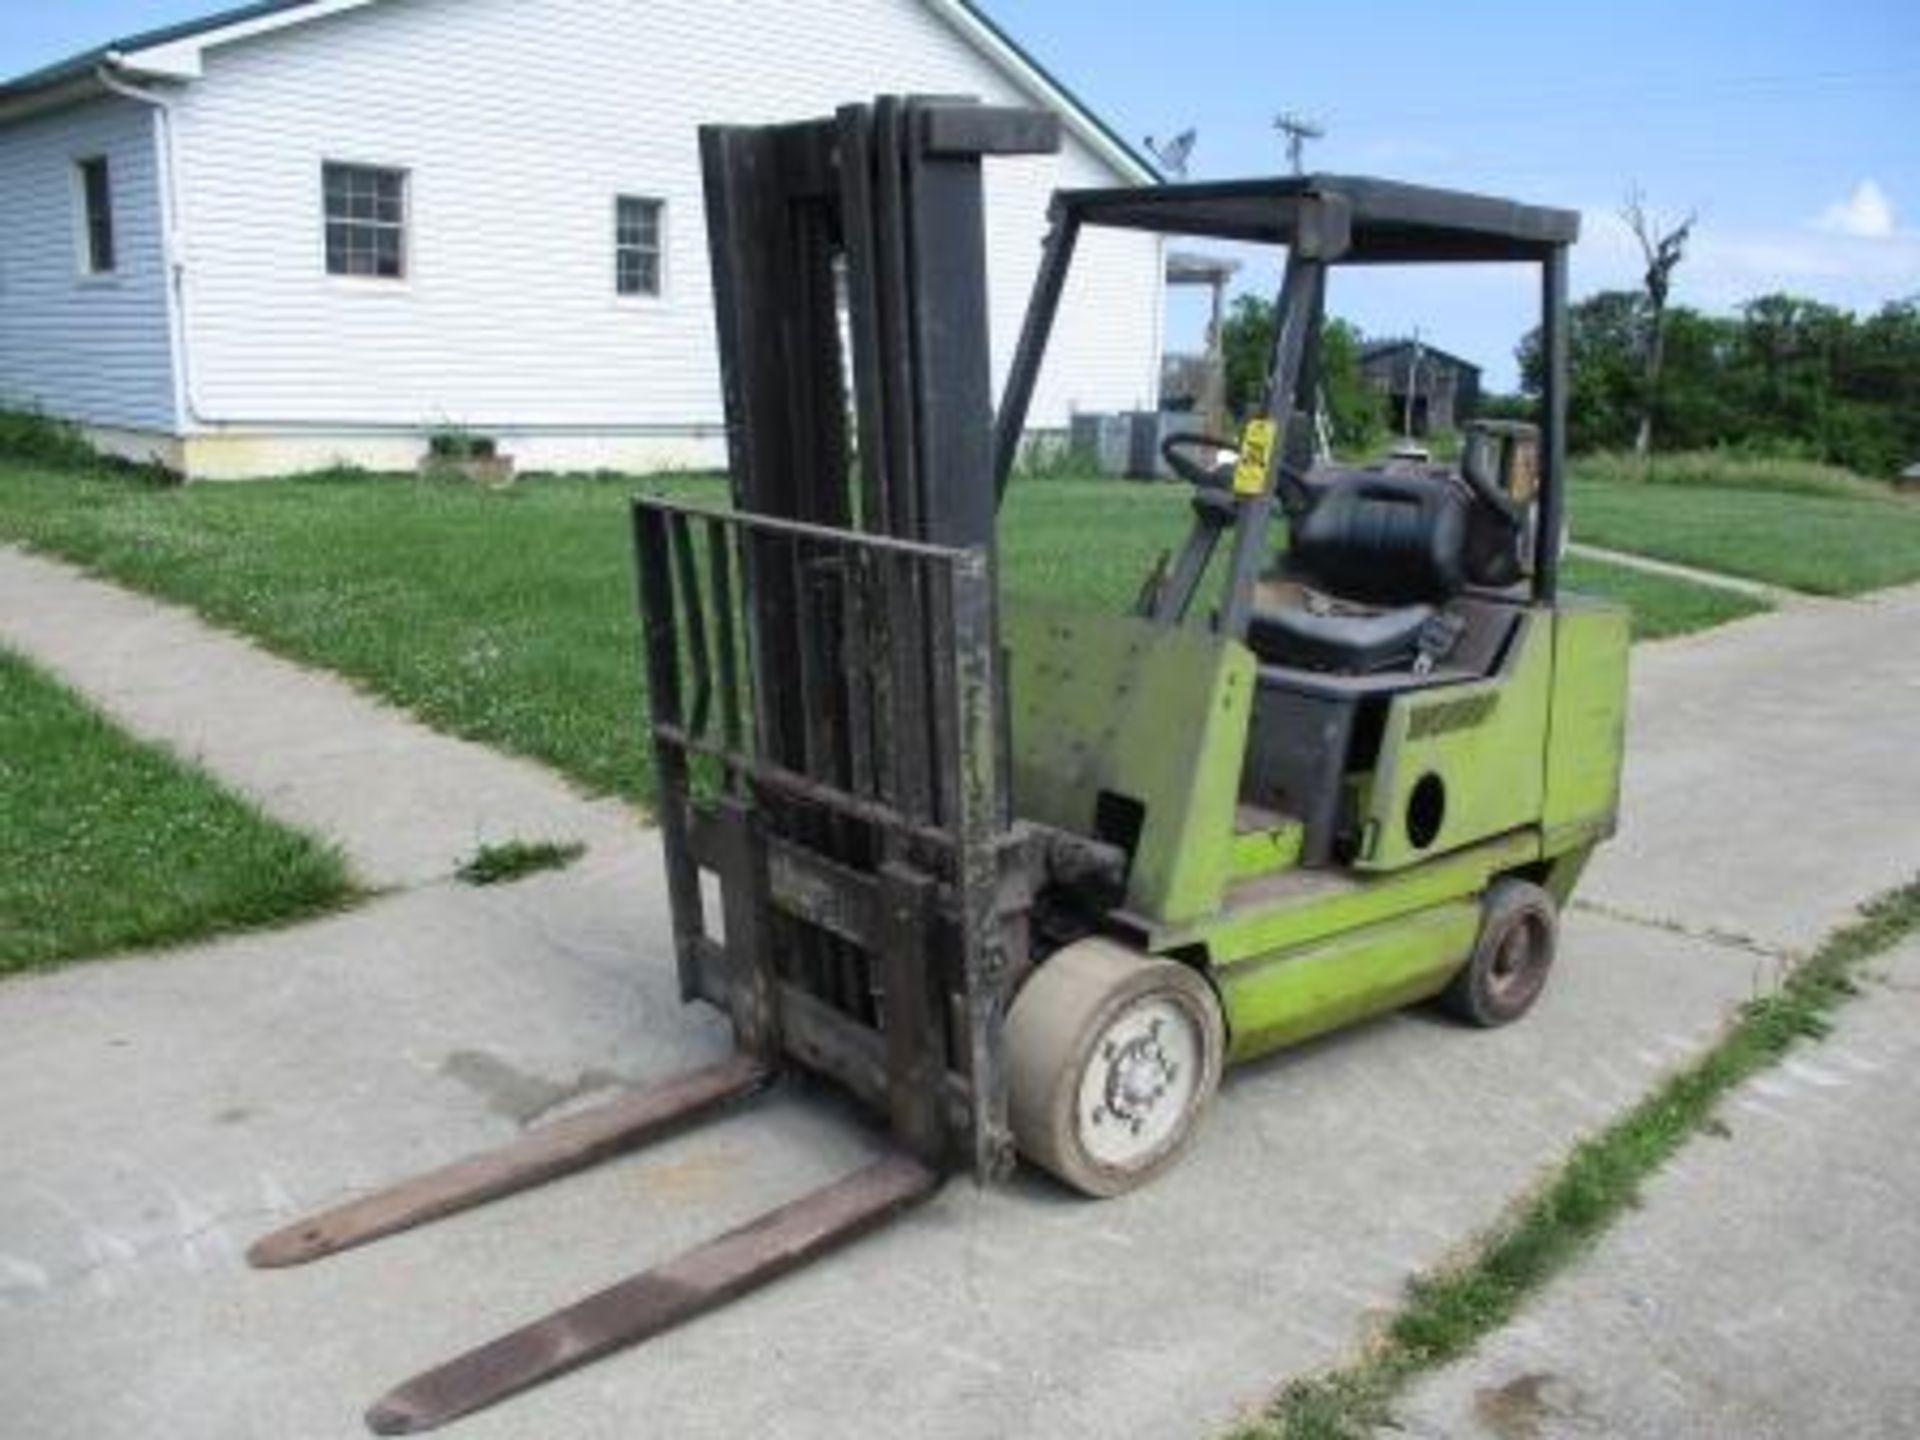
(1256, 449)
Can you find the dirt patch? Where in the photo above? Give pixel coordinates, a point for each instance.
(1522, 1408)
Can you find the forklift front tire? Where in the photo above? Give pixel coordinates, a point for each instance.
(1519, 932)
(1112, 1057)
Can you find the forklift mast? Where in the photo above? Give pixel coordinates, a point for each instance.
(844, 614)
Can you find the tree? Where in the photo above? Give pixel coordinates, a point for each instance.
(1602, 345)
(1697, 407)
(1246, 343)
(1355, 410)
(1785, 363)
(1785, 375)
(1663, 253)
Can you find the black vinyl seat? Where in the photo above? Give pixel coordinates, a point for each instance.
(1394, 543)
(1342, 644)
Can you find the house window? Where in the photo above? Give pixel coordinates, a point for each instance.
(96, 216)
(636, 245)
(366, 209)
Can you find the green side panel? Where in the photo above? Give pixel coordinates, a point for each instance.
(1468, 758)
(1304, 907)
(1155, 714)
(1587, 734)
(1289, 995)
(1263, 851)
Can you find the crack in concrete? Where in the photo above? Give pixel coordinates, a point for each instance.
(1707, 934)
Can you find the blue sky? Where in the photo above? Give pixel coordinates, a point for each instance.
(1792, 128)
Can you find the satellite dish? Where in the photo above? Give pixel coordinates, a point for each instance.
(1172, 154)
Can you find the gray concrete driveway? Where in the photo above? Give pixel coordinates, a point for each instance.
(1769, 1288)
(161, 1111)
(1772, 779)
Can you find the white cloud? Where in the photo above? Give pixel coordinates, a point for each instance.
(1866, 213)
(1724, 266)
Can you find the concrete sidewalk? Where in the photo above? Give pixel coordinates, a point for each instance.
(1768, 1289)
(406, 804)
(1773, 775)
(164, 1110)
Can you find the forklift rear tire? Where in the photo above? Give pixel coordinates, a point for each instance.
(1519, 931)
(1112, 1057)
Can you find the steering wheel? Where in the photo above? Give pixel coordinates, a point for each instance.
(1201, 477)
(1295, 492)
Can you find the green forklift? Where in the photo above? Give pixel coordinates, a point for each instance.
(1362, 773)
(1021, 879)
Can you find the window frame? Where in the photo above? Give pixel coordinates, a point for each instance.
(84, 234)
(659, 252)
(403, 227)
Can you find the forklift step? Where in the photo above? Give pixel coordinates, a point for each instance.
(543, 1154)
(645, 1305)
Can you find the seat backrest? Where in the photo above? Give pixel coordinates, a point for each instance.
(1383, 539)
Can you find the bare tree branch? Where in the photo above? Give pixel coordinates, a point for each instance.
(1663, 252)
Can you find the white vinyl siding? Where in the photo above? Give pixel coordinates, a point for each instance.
(517, 121)
(90, 347)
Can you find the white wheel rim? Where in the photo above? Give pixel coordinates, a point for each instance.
(1139, 1082)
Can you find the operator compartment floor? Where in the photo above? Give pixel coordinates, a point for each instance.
(1286, 887)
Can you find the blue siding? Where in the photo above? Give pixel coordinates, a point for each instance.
(92, 349)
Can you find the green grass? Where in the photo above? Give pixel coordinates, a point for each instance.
(508, 617)
(1088, 543)
(1725, 470)
(32, 438)
(1791, 523)
(1449, 1311)
(514, 859)
(107, 844)
(1091, 543)
(1662, 606)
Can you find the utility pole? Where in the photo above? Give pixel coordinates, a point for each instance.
(1298, 129)
(1413, 385)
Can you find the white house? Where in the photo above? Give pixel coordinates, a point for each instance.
(312, 231)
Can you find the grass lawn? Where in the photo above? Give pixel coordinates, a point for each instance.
(1662, 606)
(508, 616)
(108, 844)
(1092, 543)
(1805, 528)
